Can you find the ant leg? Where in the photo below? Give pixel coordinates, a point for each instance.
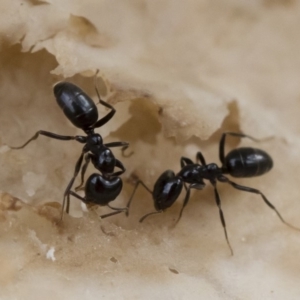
(218, 201)
(117, 208)
(255, 191)
(147, 215)
(76, 196)
(187, 197)
(68, 189)
(116, 144)
(185, 202)
(200, 157)
(117, 211)
(110, 214)
(83, 170)
(134, 190)
(106, 118)
(124, 146)
(68, 200)
(120, 166)
(222, 142)
(51, 135)
(68, 205)
(185, 161)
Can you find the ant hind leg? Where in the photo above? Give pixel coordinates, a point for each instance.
(255, 191)
(218, 201)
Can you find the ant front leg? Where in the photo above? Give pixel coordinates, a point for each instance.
(255, 191)
(116, 211)
(185, 202)
(116, 144)
(149, 214)
(120, 166)
(124, 146)
(132, 195)
(76, 196)
(184, 161)
(80, 139)
(117, 208)
(68, 189)
(111, 214)
(222, 143)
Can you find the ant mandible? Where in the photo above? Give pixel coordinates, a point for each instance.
(241, 163)
(81, 110)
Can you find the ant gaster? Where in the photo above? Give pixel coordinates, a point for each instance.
(241, 162)
(81, 110)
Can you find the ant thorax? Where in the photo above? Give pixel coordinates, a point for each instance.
(94, 139)
(211, 171)
(192, 173)
(103, 159)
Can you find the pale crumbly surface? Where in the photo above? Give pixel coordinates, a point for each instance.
(179, 74)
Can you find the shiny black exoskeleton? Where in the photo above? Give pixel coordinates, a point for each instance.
(100, 190)
(77, 106)
(240, 162)
(81, 110)
(168, 188)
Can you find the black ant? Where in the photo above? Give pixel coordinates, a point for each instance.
(81, 110)
(240, 162)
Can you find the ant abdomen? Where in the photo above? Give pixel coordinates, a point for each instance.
(247, 162)
(77, 106)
